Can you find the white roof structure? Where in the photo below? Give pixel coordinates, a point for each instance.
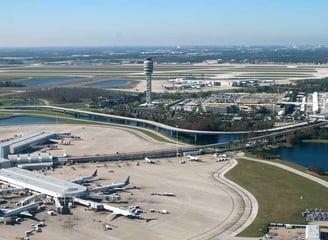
(41, 183)
(312, 232)
(21, 143)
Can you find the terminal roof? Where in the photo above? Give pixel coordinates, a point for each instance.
(41, 183)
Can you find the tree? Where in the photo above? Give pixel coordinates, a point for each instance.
(290, 138)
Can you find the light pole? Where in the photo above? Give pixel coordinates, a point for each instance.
(177, 143)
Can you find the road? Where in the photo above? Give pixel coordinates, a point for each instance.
(250, 204)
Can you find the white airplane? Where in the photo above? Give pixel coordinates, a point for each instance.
(4, 213)
(85, 178)
(151, 161)
(111, 187)
(194, 158)
(116, 212)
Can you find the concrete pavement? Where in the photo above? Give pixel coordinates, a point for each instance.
(250, 205)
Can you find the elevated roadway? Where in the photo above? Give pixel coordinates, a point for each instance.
(147, 123)
(170, 131)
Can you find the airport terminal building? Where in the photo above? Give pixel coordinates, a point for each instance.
(14, 160)
(12, 151)
(40, 183)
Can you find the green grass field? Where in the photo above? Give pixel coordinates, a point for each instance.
(278, 193)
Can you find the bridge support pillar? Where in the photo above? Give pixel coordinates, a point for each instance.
(171, 133)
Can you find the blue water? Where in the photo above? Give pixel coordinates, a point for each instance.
(112, 83)
(46, 81)
(22, 120)
(230, 137)
(306, 154)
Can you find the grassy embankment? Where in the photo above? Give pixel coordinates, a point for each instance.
(67, 119)
(294, 165)
(278, 193)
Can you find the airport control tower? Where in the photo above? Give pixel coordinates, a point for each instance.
(148, 69)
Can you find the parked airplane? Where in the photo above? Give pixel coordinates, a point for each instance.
(194, 158)
(116, 212)
(85, 178)
(19, 211)
(111, 187)
(151, 161)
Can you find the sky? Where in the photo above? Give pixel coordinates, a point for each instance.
(43, 23)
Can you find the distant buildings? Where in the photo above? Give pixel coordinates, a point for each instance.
(314, 105)
(187, 84)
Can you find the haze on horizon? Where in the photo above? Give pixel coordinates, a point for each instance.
(42, 23)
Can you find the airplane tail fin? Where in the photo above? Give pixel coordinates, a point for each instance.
(127, 181)
(95, 173)
(2, 213)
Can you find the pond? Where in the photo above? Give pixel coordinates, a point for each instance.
(306, 154)
(47, 81)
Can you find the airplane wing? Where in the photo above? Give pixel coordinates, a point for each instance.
(75, 181)
(116, 212)
(113, 215)
(26, 214)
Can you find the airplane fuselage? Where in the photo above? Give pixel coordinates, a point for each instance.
(113, 186)
(85, 179)
(17, 211)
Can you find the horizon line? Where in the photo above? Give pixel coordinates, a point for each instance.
(178, 46)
